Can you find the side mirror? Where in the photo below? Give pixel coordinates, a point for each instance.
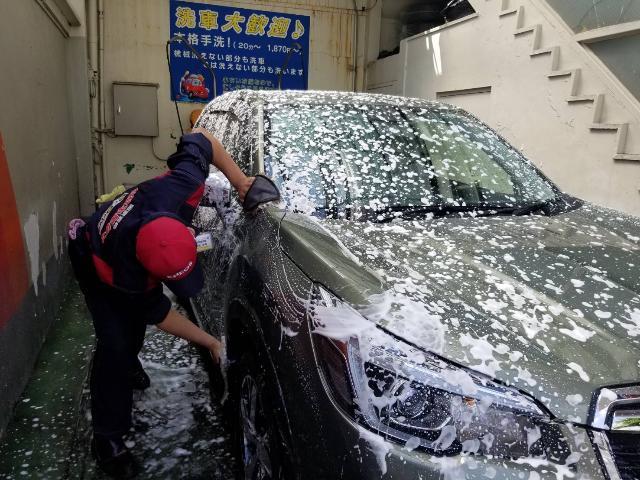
(262, 191)
(218, 195)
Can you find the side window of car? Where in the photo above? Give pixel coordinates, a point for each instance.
(212, 121)
(236, 139)
(234, 133)
(227, 128)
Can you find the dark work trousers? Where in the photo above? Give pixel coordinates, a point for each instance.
(119, 323)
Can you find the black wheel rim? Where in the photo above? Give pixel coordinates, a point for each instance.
(256, 458)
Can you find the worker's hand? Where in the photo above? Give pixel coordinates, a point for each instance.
(243, 187)
(216, 350)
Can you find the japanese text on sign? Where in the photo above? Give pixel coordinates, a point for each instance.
(246, 49)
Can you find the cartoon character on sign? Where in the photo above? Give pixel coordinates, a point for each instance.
(192, 86)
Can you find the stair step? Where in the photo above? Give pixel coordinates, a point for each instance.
(582, 98)
(523, 30)
(575, 77)
(562, 73)
(520, 20)
(537, 34)
(622, 129)
(627, 157)
(606, 126)
(598, 103)
(542, 51)
(555, 55)
(511, 11)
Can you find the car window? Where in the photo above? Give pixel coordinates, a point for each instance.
(233, 135)
(338, 159)
(477, 181)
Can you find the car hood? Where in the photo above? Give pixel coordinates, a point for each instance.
(550, 305)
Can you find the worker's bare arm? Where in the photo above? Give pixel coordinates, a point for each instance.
(223, 162)
(180, 326)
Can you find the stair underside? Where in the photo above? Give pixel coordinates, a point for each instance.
(627, 157)
(597, 99)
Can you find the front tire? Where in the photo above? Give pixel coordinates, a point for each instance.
(256, 436)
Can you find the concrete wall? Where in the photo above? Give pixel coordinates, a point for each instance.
(485, 65)
(42, 58)
(135, 36)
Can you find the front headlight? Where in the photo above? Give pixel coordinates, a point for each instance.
(416, 398)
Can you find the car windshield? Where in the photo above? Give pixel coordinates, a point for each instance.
(379, 162)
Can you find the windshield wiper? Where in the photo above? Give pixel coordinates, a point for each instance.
(386, 214)
(552, 206)
(518, 211)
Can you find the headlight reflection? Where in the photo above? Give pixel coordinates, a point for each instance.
(407, 395)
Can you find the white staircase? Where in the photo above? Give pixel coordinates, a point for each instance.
(574, 95)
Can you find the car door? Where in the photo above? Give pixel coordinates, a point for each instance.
(217, 215)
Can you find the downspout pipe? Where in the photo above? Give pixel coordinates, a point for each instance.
(102, 121)
(92, 47)
(355, 46)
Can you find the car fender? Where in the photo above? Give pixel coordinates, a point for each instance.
(243, 331)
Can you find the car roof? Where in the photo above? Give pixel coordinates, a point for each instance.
(322, 96)
(242, 102)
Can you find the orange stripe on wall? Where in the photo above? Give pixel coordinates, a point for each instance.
(13, 263)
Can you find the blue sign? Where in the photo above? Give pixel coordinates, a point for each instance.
(246, 49)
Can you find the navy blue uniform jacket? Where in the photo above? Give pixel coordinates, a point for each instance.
(112, 229)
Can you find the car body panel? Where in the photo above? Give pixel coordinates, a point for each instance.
(526, 323)
(550, 305)
(306, 242)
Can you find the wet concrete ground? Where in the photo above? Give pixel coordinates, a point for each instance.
(178, 431)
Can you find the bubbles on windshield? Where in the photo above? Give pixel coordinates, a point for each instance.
(377, 161)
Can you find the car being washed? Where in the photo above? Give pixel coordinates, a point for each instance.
(422, 304)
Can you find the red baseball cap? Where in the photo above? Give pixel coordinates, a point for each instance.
(167, 249)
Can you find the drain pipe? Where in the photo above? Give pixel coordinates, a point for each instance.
(365, 53)
(355, 47)
(92, 47)
(101, 111)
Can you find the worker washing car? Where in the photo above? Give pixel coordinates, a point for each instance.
(121, 256)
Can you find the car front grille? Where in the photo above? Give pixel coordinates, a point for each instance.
(625, 449)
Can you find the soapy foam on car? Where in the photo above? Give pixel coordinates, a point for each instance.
(509, 301)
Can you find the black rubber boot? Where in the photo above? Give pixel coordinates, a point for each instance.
(113, 457)
(139, 378)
